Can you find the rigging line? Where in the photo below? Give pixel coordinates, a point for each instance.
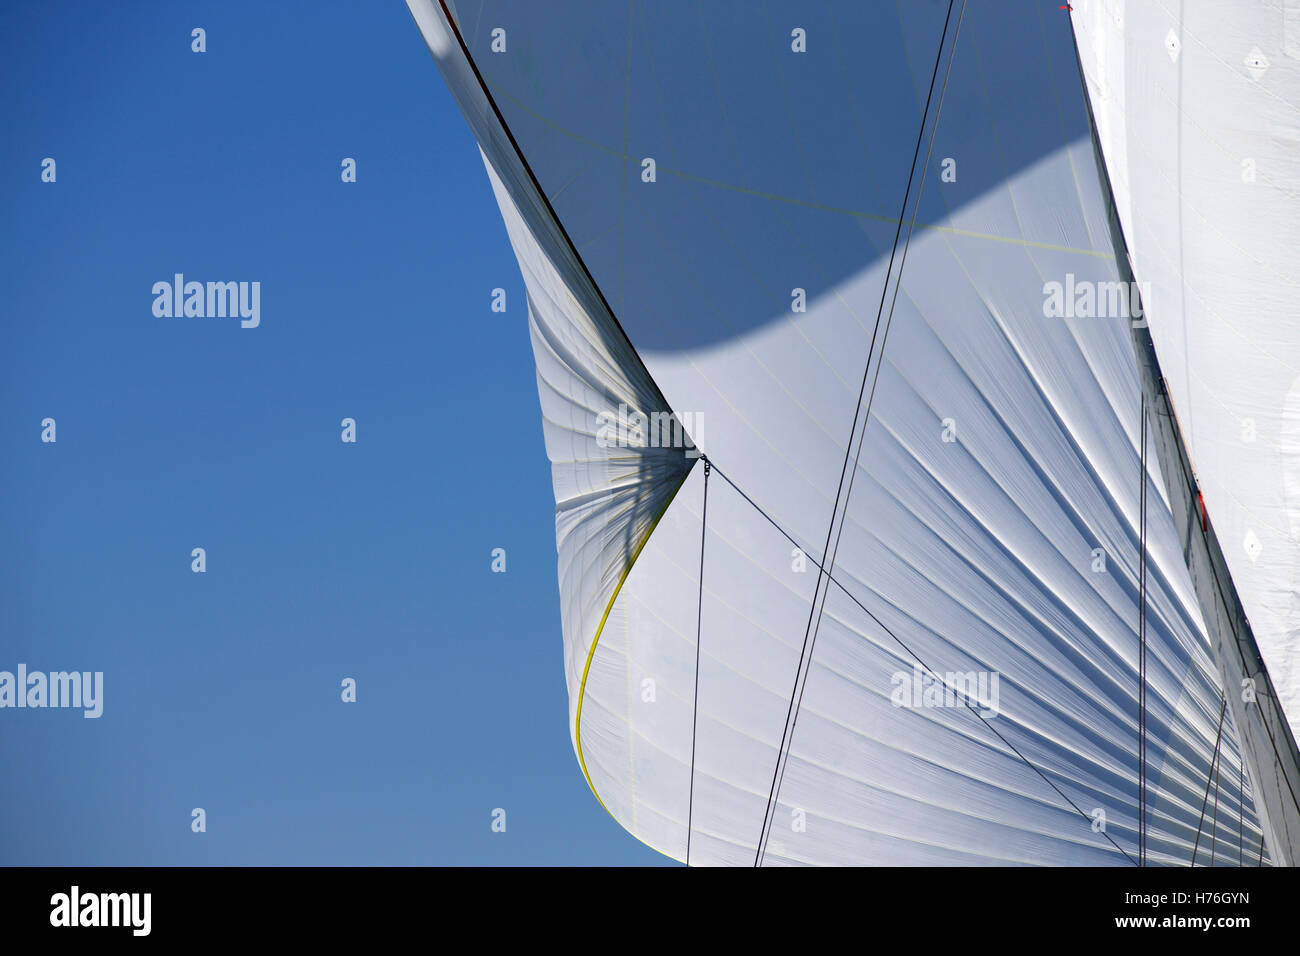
(699, 619)
(553, 216)
(1142, 637)
(810, 634)
(1209, 780)
(1241, 809)
(1214, 820)
(831, 577)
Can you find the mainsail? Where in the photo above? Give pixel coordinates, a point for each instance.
(909, 609)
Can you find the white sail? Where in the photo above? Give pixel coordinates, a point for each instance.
(1197, 109)
(709, 207)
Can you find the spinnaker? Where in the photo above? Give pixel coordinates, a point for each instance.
(926, 577)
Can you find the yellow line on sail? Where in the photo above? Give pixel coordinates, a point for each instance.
(582, 688)
(790, 200)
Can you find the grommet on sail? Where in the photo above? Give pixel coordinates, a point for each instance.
(884, 359)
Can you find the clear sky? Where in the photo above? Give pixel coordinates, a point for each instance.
(325, 560)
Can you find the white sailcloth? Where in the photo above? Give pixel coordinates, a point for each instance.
(726, 189)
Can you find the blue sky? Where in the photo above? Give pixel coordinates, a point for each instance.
(325, 560)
